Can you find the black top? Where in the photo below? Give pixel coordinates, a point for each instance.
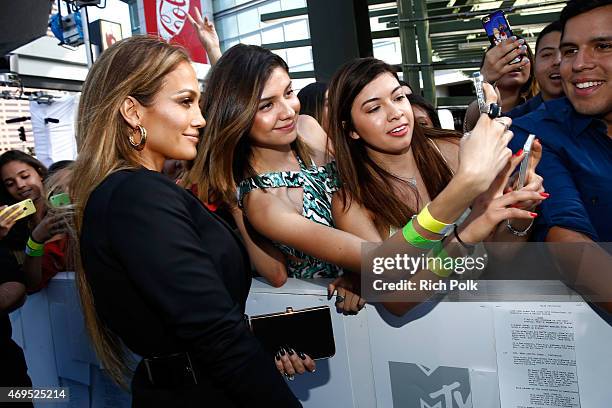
(167, 275)
(9, 272)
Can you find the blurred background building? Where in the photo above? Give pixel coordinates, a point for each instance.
(435, 44)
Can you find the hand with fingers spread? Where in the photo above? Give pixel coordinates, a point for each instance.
(484, 152)
(8, 219)
(207, 35)
(493, 206)
(497, 59)
(290, 362)
(533, 181)
(348, 300)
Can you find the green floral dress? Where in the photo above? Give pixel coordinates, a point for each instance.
(318, 183)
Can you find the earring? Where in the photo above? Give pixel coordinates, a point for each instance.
(143, 138)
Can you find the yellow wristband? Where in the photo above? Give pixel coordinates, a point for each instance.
(428, 222)
(35, 245)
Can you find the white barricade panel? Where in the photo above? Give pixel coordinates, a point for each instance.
(444, 355)
(341, 380)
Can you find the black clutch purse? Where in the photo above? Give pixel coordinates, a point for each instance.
(308, 330)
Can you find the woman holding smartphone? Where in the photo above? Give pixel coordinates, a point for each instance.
(35, 240)
(366, 104)
(258, 154)
(22, 178)
(515, 82)
(159, 272)
(389, 176)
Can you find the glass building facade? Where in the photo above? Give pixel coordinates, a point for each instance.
(239, 21)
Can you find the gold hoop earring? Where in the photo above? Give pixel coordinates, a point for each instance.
(143, 138)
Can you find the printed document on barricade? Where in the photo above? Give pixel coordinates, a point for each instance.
(536, 356)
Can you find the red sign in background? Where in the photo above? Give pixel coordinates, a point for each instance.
(168, 20)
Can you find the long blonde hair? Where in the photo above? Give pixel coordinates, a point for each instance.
(133, 67)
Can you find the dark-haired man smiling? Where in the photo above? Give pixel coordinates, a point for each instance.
(576, 135)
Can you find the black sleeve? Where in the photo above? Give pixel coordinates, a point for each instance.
(155, 238)
(10, 271)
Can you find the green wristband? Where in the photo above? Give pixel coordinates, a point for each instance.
(33, 252)
(415, 239)
(35, 245)
(440, 253)
(441, 270)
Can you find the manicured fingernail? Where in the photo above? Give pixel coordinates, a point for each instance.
(533, 215)
(282, 351)
(523, 47)
(545, 195)
(290, 351)
(301, 355)
(291, 378)
(277, 357)
(517, 154)
(521, 41)
(513, 38)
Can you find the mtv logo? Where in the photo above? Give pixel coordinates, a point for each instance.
(417, 386)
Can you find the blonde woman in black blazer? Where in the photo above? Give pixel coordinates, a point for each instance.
(160, 273)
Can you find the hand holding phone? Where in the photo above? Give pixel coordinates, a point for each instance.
(525, 162)
(59, 200)
(9, 215)
(478, 79)
(507, 56)
(498, 29)
(26, 207)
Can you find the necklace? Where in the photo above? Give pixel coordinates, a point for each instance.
(410, 180)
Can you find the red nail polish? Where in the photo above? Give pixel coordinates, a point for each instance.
(545, 195)
(533, 215)
(519, 153)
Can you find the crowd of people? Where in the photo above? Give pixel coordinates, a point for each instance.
(291, 186)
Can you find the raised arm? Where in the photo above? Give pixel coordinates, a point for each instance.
(207, 35)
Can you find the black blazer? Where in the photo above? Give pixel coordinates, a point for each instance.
(167, 275)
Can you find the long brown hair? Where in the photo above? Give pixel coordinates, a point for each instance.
(18, 155)
(363, 180)
(229, 104)
(18, 235)
(132, 67)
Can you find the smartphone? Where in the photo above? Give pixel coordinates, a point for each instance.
(59, 200)
(308, 330)
(498, 29)
(27, 205)
(478, 79)
(525, 162)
